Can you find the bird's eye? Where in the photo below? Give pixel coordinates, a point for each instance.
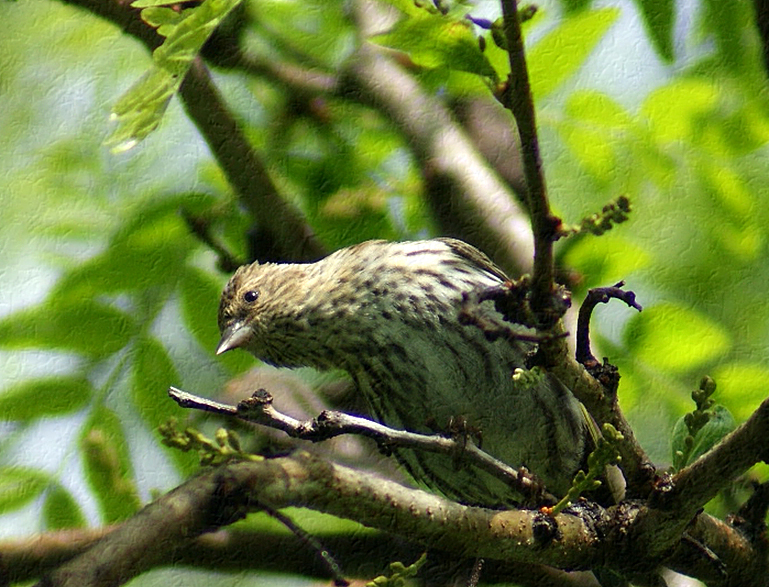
(250, 296)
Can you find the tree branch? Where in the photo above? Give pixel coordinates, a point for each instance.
(223, 495)
(582, 537)
(292, 236)
(259, 409)
(693, 486)
(518, 99)
(363, 554)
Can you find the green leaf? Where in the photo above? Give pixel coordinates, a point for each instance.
(592, 148)
(86, 327)
(153, 373)
(561, 52)
(163, 19)
(61, 511)
(200, 295)
(676, 111)
(410, 8)
(597, 108)
(139, 111)
(39, 398)
(437, 41)
(686, 450)
(148, 3)
(742, 386)
(659, 18)
(19, 486)
(735, 223)
(570, 6)
(107, 466)
(149, 249)
(606, 259)
(674, 338)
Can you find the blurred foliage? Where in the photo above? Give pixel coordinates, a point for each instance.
(108, 298)
(139, 110)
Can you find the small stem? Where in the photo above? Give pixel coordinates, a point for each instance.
(598, 295)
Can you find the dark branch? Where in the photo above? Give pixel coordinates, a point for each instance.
(518, 99)
(761, 8)
(598, 295)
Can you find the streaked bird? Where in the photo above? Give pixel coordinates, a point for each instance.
(388, 314)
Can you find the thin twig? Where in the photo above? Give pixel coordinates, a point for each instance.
(328, 561)
(598, 295)
(518, 99)
(259, 409)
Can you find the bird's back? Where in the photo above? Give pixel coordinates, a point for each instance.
(420, 369)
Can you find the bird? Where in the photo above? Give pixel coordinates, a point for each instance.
(388, 313)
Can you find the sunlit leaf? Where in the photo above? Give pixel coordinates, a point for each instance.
(436, 41)
(560, 53)
(19, 486)
(607, 259)
(674, 338)
(592, 148)
(139, 111)
(148, 3)
(742, 386)
(675, 110)
(597, 109)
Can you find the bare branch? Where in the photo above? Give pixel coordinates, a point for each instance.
(584, 536)
(232, 549)
(598, 295)
(518, 99)
(222, 495)
(259, 409)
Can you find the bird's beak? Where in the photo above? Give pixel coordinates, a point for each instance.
(234, 336)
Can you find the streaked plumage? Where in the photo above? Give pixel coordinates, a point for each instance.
(387, 313)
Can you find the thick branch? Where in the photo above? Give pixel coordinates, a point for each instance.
(583, 537)
(292, 236)
(220, 496)
(674, 506)
(362, 554)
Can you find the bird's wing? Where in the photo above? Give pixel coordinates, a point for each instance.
(471, 254)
